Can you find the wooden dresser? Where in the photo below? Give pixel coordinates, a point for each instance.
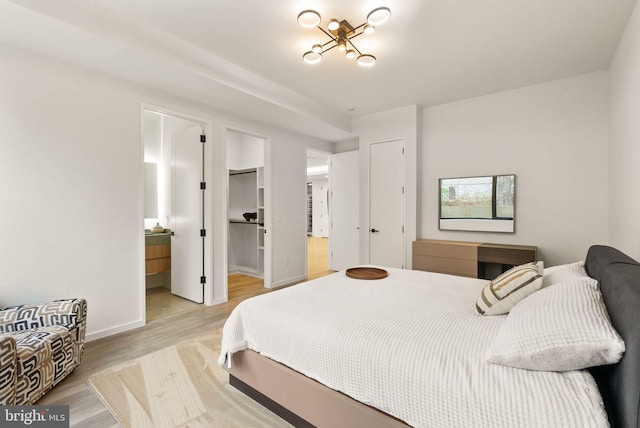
(471, 259)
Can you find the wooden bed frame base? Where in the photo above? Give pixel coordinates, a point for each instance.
(299, 400)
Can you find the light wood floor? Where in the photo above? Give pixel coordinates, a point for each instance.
(161, 303)
(86, 410)
(317, 257)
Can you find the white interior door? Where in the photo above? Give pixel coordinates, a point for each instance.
(187, 208)
(386, 198)
(344, 206)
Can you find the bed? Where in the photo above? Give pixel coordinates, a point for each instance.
(411, 349)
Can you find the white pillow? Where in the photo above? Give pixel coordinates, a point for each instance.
(555, 274)
(501, 294)
(562, 327)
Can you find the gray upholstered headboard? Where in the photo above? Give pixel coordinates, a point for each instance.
(619, 277)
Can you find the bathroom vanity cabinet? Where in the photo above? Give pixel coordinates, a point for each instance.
(157, 254)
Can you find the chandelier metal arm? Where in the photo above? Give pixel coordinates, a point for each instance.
(354, 46)
(356, 35)
(335, 39)
(359, 27)
(327, 33)
(329, 48)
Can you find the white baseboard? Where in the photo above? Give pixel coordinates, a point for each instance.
(244, 270)
(219, 301)
(114, 330)
(288, 281)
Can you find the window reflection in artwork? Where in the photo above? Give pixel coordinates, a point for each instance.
(491, 197)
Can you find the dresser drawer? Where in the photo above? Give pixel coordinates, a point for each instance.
(446, 249)
(508, 255)
(458, 267)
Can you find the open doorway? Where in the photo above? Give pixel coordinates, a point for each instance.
(173, 213)
(318, 214)
(247, 240)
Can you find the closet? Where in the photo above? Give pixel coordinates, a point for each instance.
(246, 204)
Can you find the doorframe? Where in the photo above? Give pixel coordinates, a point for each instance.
(207, 128)
(306, 247)
(268, 257)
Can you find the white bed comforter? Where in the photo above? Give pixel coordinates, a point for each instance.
(411, 345)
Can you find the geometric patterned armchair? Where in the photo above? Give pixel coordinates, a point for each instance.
(39, 346)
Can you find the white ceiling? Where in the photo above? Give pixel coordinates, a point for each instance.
(245, 57)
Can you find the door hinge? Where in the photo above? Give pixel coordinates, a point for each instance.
(403, 150)
(203, 185)
(403, 190)
(203, 280)
(203, 138)
(402, 229)
(203, 232)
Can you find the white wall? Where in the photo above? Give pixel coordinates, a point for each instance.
(553, 136)
(152, 155)
(244, 151)
(624, 155)
(72, 192)
(71, 169)
(346, 146)
(152, 137)
(398, 124)
(288, 206)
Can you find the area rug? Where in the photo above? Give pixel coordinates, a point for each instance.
(179, 386)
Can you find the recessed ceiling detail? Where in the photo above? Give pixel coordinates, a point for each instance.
(341, 35)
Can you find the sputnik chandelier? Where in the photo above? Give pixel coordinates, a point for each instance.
(341, 35)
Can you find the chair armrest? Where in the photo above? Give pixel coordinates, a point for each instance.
(8, 370)
(69, 312)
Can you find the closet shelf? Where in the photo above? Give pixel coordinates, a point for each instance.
(239, 220)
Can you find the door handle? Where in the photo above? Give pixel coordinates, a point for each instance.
(374, 231)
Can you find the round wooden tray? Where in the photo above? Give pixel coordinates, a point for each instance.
(367, 273)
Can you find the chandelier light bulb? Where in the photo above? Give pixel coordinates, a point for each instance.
(333, 25)
(309, 18)
(378, 16)
(366, 60)
(368, 29)
(350, 54)
(316, 48)
(342, 45)
(311, 57)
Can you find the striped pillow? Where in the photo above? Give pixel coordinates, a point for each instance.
(501, 294)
